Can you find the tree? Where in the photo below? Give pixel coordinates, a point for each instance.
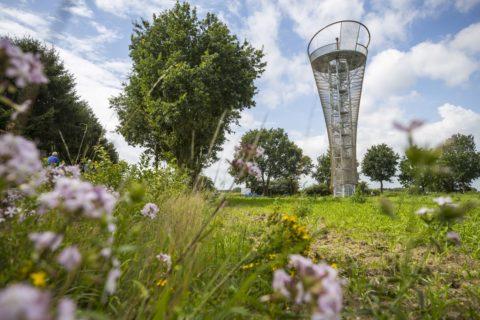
(459, 155)
(380, 163)
(190, 80)
(322, 172)
(58, 120)
(281, 159)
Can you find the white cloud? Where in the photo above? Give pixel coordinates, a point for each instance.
(453, 119)
(392, 72)
(90, 46)
(80, 8)
(16, 22)
(468, 39)
(465, 5)
(285, 78)
(309, 16)
(125, 8)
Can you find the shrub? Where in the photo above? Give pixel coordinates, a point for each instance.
(283, 187)
(362, 188)
(317, 190)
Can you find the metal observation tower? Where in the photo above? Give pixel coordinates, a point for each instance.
(338, 54)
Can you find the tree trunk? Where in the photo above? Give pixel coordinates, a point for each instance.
(266, 187)
(381, 186)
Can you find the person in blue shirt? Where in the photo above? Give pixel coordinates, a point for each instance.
(53, 160)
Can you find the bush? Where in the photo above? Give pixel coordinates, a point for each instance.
(317, 190)
(362, 188)
(283, 187)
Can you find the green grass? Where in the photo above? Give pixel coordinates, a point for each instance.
(368, 248)
(226, 272)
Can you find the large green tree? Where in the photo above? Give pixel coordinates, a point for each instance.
(282, 160)
(379, 163)
(460, 156)
(190, 80)
(322, 171)
(58, 120)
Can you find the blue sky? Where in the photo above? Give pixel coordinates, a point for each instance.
(424, 62)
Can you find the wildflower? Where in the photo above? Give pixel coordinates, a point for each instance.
(21, 301)
(453, 237)
(423, 211)
(150, 210)
(111, 227)
(260, 151)
(106, 252)
(165, 258)
(111, 284)
(19, 161)
(248, 266)
(413, 125)
(254, 170)
(39, 279)
(23, 68)
(70, 258)
(314, 284)
(281, 281)
(78, 197)
(44, 240)
(441, 201)
(21, 108)
(66, 309)
(162, 282)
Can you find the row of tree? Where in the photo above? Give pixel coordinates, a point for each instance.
(58, 119)
(451, 167)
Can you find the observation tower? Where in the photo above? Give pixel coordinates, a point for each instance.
(338, 54)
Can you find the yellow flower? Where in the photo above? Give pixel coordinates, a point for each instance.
(38, 278)
(272, 256)
(247, 266)
(162, 282)
(334, 266)
(289, 218)
(305, 237)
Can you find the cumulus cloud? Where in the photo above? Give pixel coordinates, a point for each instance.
(393, 72)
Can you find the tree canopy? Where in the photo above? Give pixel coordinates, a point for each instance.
(379, 163)
(190, 80)
(322, 171)
(460, 156)
(58, 120)
(282, 161)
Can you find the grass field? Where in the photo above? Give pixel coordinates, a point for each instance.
(367, 247)
(390, 268)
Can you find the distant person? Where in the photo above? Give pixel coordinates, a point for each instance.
(53, 160)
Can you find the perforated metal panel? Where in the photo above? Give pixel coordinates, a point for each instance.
(338, 55)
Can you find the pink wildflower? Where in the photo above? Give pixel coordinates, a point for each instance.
(111, 284)
(70, 258)
(150, 210)
(66, 309)
(19, 161)
(23, 68)
(453, 237)
(79, 197)
(44, 240)
(20, 301)
(165, 258)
